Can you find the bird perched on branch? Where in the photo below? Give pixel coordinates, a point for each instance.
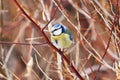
(61, 36)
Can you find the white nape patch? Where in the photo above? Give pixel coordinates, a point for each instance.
(57, 32)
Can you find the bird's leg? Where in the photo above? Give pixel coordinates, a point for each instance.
(62, 51)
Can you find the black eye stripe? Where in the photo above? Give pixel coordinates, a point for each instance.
(55, 29)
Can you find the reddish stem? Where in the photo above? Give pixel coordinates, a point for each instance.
(47, 39)
(116, 20)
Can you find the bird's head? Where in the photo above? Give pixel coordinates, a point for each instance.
(57, 29)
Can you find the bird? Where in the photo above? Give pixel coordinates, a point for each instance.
(61, 36)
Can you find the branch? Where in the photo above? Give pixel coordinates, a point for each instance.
(47, 39)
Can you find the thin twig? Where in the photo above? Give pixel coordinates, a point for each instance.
(116, 20)
(47, 39)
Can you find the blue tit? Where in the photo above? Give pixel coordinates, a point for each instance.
(61, 36)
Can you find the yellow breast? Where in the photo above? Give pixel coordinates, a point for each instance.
(63, 40)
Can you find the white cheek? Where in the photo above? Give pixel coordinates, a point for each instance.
(57, 32)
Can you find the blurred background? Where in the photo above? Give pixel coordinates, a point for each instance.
(26, 55)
